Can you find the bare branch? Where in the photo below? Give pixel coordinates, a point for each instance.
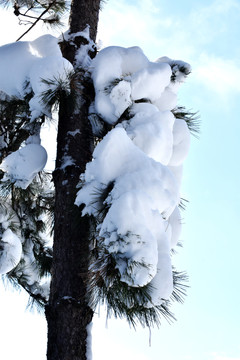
(37, 20)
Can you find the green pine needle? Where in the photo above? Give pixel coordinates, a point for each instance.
(192, 119)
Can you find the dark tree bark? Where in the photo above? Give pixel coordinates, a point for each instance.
(67, 312)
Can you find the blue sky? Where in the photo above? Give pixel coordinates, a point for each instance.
(205, 34)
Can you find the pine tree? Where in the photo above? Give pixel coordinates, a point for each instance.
(91, 261)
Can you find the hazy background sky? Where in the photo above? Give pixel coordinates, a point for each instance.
(205, 34)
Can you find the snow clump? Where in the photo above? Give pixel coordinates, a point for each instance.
(132, 186)
(28, 64)
(10, 243)
(22, 166)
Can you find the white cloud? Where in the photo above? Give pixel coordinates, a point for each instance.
(220, 75)
(191, 39)
(146, 24)
(131, 24)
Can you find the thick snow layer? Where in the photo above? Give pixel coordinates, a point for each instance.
(180, 70)
(167, 100)
(128, 73)
(150, 82)
(175, 224)
(144, 190)
(27, 64)
(137, 166)
(162, 283)
(131, 169)
(152, 133)
(50, 68)
(120, 97)
(111, 71)
(130, 237)
(181, 142)
(10, 251)
(23, 165)
(114, 62)
(177, 172)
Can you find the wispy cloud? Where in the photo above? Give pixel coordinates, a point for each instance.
(131, 23)
(220, 75)
(214, 19)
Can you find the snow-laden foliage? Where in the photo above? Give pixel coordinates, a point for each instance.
(25, 196)
(10, 243)
(29, 62)
(132, 186)
(30, 12)
(22, 166)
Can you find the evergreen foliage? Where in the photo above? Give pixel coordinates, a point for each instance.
(28, 212)
(105, 283)
(15, 126)
(32, 209)
(30, 12)
(192, 119)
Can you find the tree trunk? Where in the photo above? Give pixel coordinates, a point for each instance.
(68, 313)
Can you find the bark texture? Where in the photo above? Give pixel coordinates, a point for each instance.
(68, 313)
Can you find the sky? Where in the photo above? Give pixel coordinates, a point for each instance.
(206, 35)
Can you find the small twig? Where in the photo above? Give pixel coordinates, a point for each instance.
(29, 16)
(37, 20)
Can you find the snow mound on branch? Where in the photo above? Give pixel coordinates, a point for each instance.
(115, 64)
(10, 251)
(175, 222)
(152, 131)
(150, 82)
(114, 61)
(28, 63)
(23, 165)
(128, 72)
(181, 142)
(132, 185)
(143, 190)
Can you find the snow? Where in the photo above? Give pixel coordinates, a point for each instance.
(150, 82)
(162, 284)
(50, 68)
(67, 161)
(181, 142)
(89, 341)
(167, 100)
(10, 242)
(10, 251)
(175, 224)
(28, 63)
(124, 75)
(180, 70)
(152, 133)
(143, 190)
(22, 166)
(82, 58)
(115, 63)
(137, 165)
(120, 97)
(73, 133)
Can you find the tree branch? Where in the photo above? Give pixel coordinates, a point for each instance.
(37, 20)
